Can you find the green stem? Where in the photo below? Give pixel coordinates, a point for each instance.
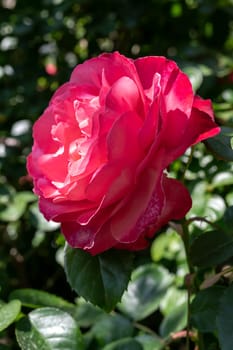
(201, 345)
(188, 319)
(202, 219)
(186, 240)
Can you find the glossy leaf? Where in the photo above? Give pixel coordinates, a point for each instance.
(211, 248)
(225, 319)
(9, 313)
(34, 298)
(145, 291)
(204, 308)
(100, 279)
(48, 329)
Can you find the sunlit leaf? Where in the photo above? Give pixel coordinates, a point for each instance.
(16, 206)
(9, 313)
(48, 329)
(145, 291)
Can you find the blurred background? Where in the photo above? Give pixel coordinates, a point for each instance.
(40, 43)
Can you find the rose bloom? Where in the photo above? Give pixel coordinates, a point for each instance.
(102, 146)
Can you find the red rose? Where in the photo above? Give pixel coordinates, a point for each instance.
(102, 145)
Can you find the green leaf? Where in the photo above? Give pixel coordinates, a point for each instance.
(225, 319)
(195, 76)
(176, 320)
(145, 291)
(109, 328)
(100, 279)
(17, 206)
(204, 308)
(4, 347)
(221, 145)
(149, 342)
(211, 248)
(48, 329)
(222, 179)
(86, 313)
(124, 344)
(36, 298)
(9, 313)
(228, 215)
(167, 245)
(206, 204)
(167, 303)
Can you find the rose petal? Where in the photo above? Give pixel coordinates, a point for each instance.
(134, 206)
(177, 202)
(175, 85)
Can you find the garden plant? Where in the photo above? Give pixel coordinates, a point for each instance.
(116, 175)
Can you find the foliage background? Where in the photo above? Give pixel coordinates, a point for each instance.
(40, 43)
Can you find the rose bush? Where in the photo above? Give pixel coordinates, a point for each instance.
(102, 146)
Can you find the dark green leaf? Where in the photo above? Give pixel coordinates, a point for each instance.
(36, 298)
(100, 279)
(228, 215)
(225, 319)
(86, 313)
(176, 320)
(211, 248)
(145, 291)
(48, 329)
(109, 328)
(221, 145)
(9, 313)
(124, 344)
(149, 342)
(204, 308)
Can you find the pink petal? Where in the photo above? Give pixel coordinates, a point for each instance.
(175, 85)
(177, 202)
(134, 206)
